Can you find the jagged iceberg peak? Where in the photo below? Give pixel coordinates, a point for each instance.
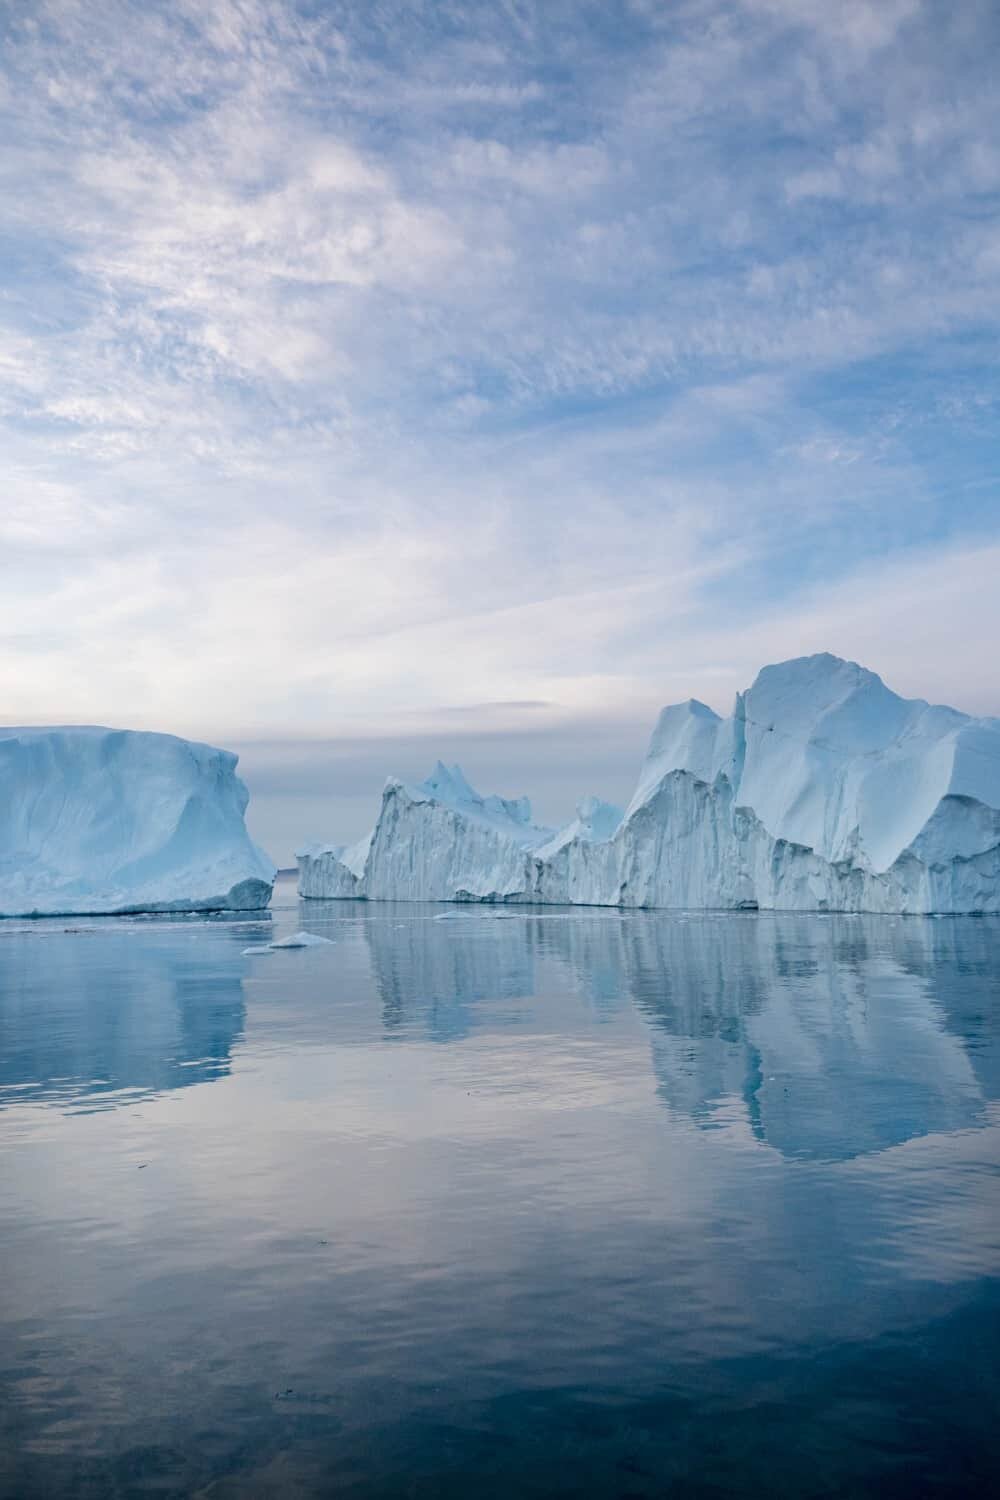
(823, 789)
(449, 786)
(827, 756)
(99, 820)
(834, 759)
(685, 738)
(438, 835)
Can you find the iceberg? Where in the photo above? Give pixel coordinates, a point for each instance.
(823, 790)
(102, 821)
(436, 841)
(595, 821)
(333, 871)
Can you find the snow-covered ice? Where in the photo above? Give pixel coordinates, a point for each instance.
(823, 790)
(595, 821)
(102, 821)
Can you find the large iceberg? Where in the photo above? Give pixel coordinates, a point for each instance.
(823, 790)
(103, 820)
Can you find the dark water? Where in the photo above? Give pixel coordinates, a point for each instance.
(505, 1204)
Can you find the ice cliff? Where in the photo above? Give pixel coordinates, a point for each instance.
(437, 836)
(102, 820)
(823, 790)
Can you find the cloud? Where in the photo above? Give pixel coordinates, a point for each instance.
(928, 624)
(363, 360)
(861, 27)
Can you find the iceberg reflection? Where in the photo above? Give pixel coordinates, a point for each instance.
(837, 1036)
(827, 1038)
(99, 1015)
(438, 968)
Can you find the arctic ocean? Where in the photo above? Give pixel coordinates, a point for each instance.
(499, 1201)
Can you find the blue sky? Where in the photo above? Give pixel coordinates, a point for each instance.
(385, 379)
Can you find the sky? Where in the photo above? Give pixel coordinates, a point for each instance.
(382, 380)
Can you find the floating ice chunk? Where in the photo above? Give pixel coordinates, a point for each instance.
(301, 940)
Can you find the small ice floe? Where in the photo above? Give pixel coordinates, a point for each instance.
(296, 940)
(301, 940)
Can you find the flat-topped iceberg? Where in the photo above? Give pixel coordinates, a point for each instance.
(823, 790)
(104, 820)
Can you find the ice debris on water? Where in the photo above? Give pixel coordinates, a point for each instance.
(295, 940)
(302, 940)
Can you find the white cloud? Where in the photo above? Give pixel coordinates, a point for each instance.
(926, 621)
(356, 364)
(861, 27)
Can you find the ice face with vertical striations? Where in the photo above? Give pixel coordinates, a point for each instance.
(436, 841)
(333, 872)
(103, 820)
(823, 790)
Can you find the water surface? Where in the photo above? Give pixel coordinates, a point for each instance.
(499, 1203)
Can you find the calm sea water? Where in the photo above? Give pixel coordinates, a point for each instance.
(506, 1203)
